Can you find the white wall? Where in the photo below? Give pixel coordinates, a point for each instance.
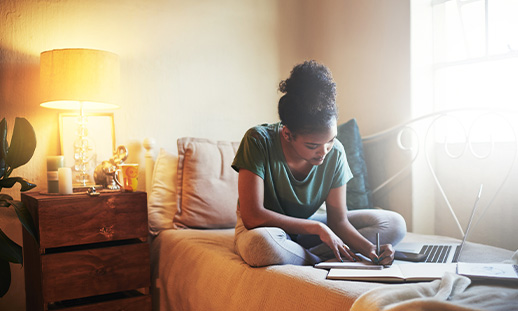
(188, 68)
(199, 68)
(203, 68)
(423, 200)
(208, 68)
(367, 46)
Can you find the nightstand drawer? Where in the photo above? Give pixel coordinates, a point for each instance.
(76, 220)
(97, 271)
(137, 303)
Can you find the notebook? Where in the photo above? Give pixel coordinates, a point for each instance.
(441, 253)
(397, 273)
(488, 271)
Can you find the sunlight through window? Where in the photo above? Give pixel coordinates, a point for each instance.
(476, 57)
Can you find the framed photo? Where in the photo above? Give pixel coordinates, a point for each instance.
(100, 136)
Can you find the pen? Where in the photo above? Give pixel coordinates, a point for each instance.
(378, 245)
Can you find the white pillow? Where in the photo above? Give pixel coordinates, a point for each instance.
(162, 202)
(207, 184)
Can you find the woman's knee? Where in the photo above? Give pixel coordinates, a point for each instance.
(397, 225)
(258, 246)
(390, 225)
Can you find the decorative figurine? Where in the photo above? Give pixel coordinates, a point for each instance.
(104, 172)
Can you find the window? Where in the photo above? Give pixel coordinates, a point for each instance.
(475, 62)
(465, 55)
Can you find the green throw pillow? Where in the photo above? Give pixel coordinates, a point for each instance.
(358, 190)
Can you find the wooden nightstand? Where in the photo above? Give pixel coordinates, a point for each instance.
(91, 254)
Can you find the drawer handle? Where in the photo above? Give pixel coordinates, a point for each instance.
(106, 231)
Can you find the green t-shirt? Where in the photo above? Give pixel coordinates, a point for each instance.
(261, 153)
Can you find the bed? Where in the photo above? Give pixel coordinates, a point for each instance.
(192, 197)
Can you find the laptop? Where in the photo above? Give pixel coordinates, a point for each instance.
(440, 253)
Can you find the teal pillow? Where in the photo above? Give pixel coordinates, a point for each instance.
(359, 195)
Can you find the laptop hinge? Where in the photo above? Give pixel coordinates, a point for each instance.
(457, 253)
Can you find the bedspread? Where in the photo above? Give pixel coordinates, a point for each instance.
(198, 270)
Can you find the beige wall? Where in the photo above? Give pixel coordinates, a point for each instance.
(203, 68)
(199, 68)
(208, 68)
(367, 46)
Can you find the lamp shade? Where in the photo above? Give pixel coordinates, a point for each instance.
(79, 78)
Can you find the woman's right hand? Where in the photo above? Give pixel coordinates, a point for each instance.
(340, 249)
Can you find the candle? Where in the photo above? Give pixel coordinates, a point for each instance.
(65, 180)
(53, 164)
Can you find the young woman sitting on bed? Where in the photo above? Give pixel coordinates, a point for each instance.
(287, 170)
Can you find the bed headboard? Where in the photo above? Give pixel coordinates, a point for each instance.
(149, 158)
(430, 169)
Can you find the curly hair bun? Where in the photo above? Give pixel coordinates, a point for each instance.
(309, 100)
(309, 77)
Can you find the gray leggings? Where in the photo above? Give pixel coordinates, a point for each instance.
(266, 246)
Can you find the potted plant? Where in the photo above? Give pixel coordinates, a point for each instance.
(18, 153)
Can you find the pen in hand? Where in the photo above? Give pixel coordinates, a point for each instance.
(378, 247)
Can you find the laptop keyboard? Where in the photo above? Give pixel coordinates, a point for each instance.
(436, 253)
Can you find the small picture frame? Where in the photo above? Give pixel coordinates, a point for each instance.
(101, 134)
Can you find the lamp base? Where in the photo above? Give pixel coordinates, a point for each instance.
(83, 185)
(84, 152)
(82, 178)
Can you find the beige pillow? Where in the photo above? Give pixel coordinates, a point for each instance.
(207, 184)
(162, 199)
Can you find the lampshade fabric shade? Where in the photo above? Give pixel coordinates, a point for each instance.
(69, 77)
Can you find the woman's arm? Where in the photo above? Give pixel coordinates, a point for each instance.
(338, 222)
(253, 214)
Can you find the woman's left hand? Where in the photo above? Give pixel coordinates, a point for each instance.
(386, 256)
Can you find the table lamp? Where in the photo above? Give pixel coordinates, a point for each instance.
(80, 79)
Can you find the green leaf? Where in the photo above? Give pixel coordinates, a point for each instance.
(3, 147)
(25, 217)
(3, 139)
(2, 168)
(7, 182)
(5, 197)
(9, 250)
(11, 181)
(23, 144)
(4, 200)
(26, 185)
(5, 277)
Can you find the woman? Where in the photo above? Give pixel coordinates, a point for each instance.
(289, 169)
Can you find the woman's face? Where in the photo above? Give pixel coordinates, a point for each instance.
(313, 147)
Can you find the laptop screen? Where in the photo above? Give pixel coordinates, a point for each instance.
(469, 223)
